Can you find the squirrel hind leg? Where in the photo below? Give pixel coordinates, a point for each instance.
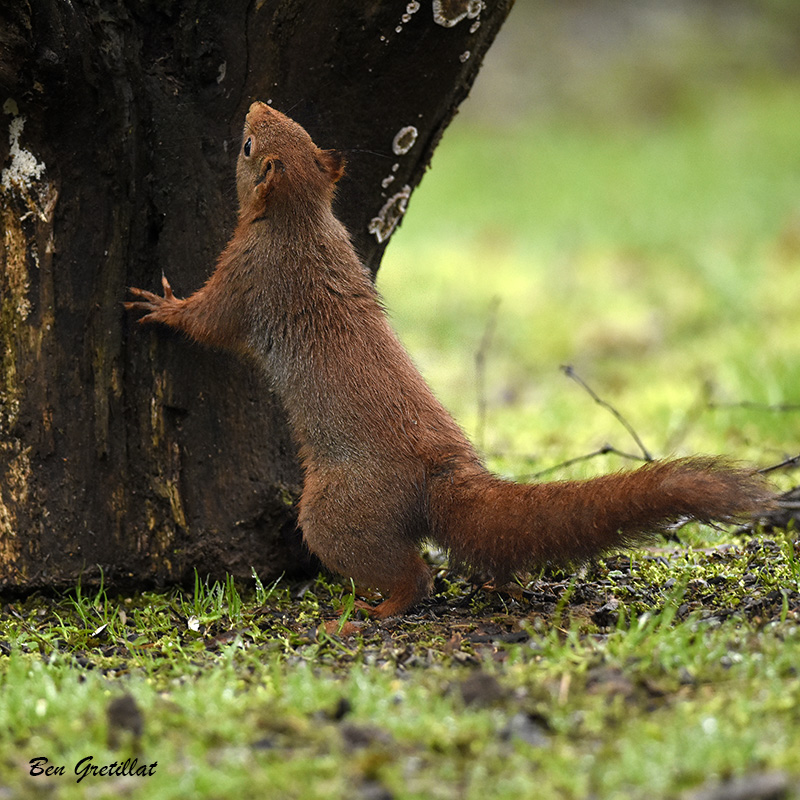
(399, 572)
(376, 548)
(406, 589)
(404, 580)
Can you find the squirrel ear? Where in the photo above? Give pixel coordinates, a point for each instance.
(332, 162)
(271, 171)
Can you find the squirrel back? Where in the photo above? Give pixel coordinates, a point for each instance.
(385, 465)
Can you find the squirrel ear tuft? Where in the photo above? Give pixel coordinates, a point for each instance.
(331, 162)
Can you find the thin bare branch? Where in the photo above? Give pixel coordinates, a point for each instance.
(772, 407)
(794, 461)
(569, 371)
(606, 449)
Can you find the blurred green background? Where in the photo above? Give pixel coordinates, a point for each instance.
(621, 192)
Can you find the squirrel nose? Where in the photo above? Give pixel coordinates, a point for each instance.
(257, 105)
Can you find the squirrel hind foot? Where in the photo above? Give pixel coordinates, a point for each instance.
(408, 590)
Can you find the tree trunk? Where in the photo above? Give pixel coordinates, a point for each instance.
(129, 450)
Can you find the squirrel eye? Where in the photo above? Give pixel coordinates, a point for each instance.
(247, 146)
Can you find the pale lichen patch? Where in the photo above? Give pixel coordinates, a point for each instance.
(404, 140)
(24, 168)
(411, 9)
(448, 13)
(22, 178)
(390, 215)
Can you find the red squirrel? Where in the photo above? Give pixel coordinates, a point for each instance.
(385, 465)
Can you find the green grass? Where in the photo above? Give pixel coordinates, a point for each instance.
(659, 702)
(660, 258)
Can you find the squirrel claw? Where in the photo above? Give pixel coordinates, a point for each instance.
(149, 301)
(168, 295)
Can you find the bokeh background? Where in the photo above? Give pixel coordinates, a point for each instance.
(621, 192)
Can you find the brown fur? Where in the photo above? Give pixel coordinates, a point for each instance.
(386, 467)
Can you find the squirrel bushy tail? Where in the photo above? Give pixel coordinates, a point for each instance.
(498, 526)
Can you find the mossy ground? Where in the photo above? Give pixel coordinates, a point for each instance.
(643, 676)
(655, 246)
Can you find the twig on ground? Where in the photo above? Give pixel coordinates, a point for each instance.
(777, 407)
(606, 449)
(569, 371)
(794, 461)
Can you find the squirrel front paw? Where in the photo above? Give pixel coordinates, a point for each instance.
(156, 306)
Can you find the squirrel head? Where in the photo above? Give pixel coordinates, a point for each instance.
(278, 160)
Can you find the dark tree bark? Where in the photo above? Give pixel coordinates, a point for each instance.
(126, 449)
